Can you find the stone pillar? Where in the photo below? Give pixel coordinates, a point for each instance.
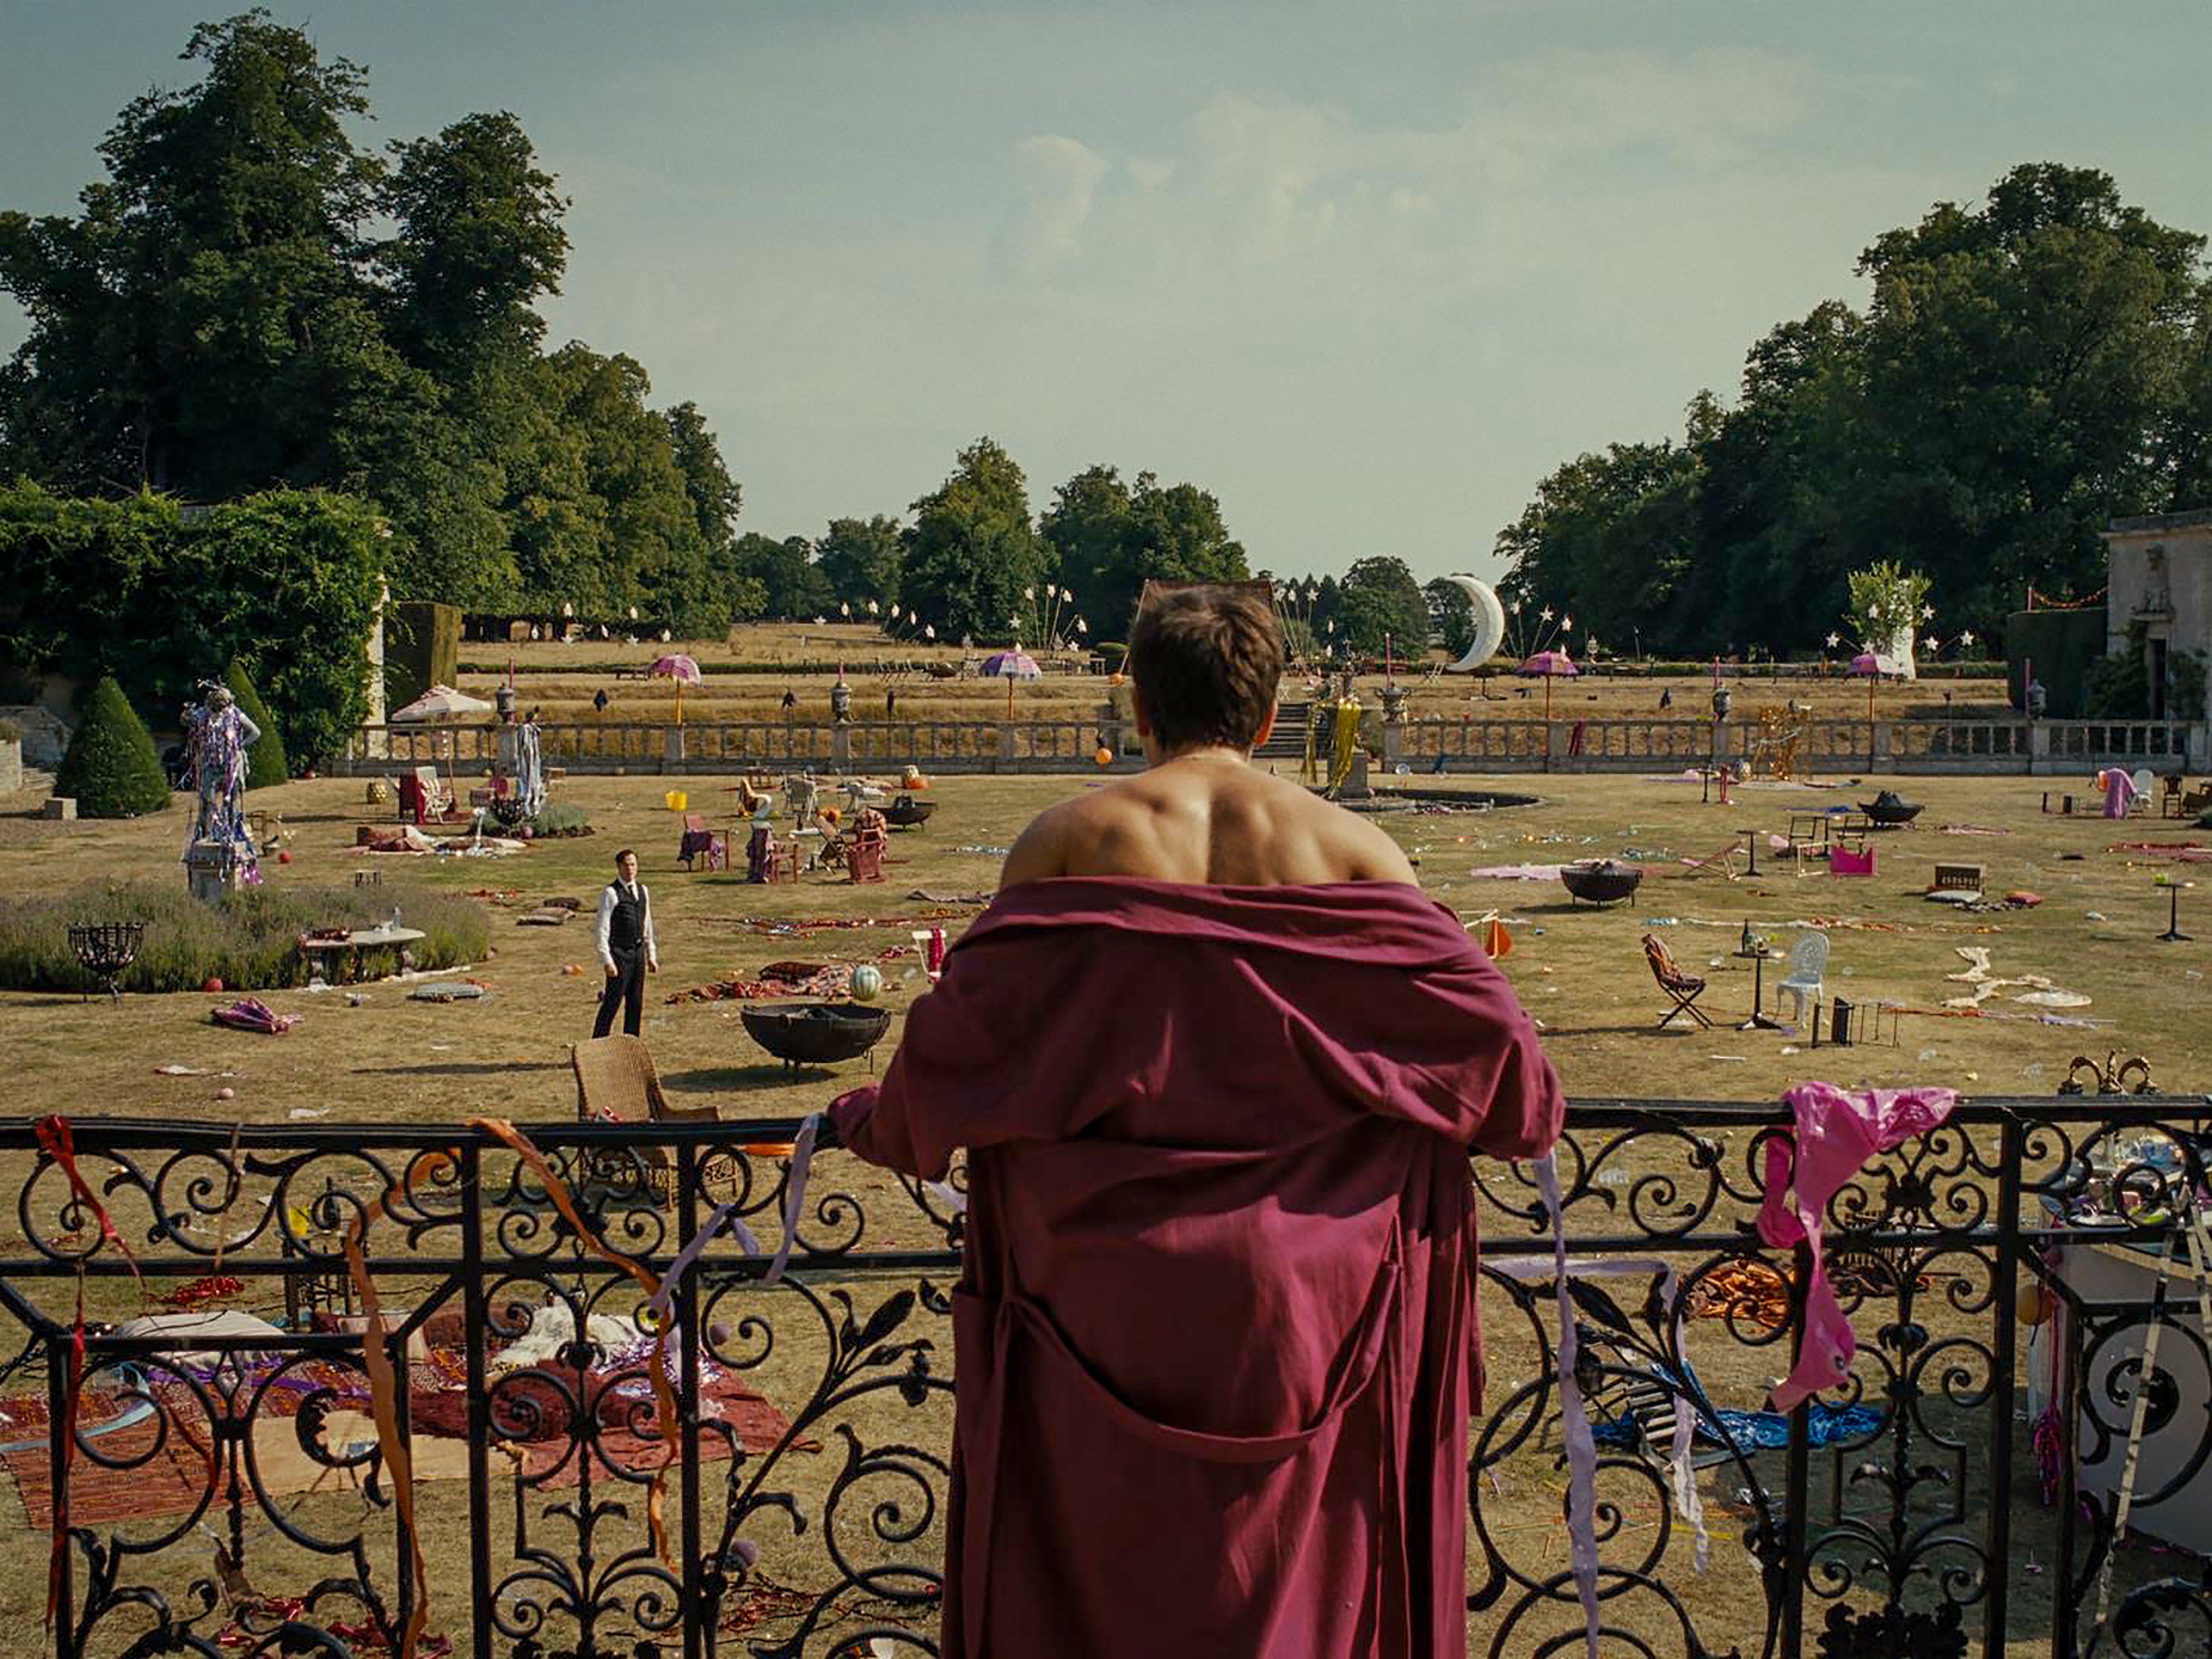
(1393, 729)
(1356, 786)
(210, 871)
(2038, 747)
(672, 748)
(841, 747)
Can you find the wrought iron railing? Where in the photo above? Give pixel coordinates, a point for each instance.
(222, 1490)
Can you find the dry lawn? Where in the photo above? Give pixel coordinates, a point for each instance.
(1580, 970)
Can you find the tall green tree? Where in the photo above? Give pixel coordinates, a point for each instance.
(205, 325)
(1381, 600)
(1082, 532)
(477, 242)
(248, 299)
(2021, 357)
(971, 548)
(1108, 538)
(859, 558)
(794, 585)
(716, 497)
(1608, 539)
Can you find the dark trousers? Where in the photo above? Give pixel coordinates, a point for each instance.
(625, 990)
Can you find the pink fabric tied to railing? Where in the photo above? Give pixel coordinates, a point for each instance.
(1835, 1132)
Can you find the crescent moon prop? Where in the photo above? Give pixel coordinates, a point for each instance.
(1489, 624)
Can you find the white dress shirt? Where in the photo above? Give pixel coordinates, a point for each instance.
(607, 898)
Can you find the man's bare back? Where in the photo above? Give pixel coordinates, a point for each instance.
(1206, 817)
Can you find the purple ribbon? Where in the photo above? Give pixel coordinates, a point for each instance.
(1574, 1421)
(726, 1215)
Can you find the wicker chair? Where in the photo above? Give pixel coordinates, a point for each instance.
(618, 1083)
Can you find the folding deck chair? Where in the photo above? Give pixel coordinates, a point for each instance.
(1723, 861)
(1684, 988)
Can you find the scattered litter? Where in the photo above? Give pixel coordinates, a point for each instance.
(549, 918)
(299, 1112)
(1972, 830)
(464, 991)
(1926, 1054)
(2092, 916)
(179, 1071)
(1738, 1059)
(985, 852)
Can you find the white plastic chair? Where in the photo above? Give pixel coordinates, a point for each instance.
(2144, 784)
(1809, 961)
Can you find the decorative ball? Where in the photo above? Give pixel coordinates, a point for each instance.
(1113, 680)
(1104, 756)
(867, 982)
(284, 855)
(226, 1093)
(210, 983)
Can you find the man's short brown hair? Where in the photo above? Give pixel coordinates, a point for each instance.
(1206, 662)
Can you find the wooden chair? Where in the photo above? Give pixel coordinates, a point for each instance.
(1683, 989)
(865, 845)
(700, 842)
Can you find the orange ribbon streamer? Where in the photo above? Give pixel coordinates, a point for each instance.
(383, 1388)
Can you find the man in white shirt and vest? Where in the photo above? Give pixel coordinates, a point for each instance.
(625, 935)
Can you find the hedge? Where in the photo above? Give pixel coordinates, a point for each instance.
(250, 941)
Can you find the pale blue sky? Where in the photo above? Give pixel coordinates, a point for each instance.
(1367, 272)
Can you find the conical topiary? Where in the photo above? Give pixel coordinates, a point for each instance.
(110, 766)
(265, 763)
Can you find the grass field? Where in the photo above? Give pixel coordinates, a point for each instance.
(1580, 970)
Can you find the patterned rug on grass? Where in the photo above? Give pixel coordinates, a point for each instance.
(170, 1481)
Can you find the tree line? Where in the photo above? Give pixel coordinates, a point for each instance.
(2028, 369)
(249, 301)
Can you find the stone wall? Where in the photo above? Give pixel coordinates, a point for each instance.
(45, 737)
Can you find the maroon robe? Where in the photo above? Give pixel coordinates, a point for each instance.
(1215, 1339)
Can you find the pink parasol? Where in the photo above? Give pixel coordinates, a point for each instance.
(1014, 665)
(1549, 665)
(680, 668)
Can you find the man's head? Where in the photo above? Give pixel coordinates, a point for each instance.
(1206, 662)
(626, 865)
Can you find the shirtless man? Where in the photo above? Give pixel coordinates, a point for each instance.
(1217, 1097)
(1206, 662)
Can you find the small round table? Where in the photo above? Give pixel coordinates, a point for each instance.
(347, 950)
